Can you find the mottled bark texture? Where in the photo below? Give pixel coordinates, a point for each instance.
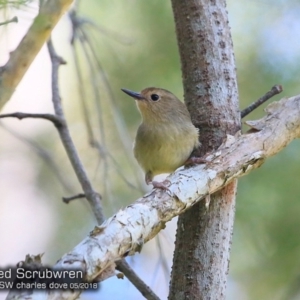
(203, 239)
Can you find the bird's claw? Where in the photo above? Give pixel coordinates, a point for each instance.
(161, 185)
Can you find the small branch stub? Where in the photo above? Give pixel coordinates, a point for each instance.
(13, 20)
(275, 90)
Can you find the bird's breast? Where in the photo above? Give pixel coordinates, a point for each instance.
(164, 148)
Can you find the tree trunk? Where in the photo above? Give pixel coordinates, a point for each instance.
(203, 239)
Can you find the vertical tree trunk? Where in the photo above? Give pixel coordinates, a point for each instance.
(203, 239)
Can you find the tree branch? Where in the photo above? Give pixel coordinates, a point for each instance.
(203, 237)
(19, 115)
(67, 200)
(21, 58)
(92, 197)
(275, 90)
(146, 291)
(126, 232)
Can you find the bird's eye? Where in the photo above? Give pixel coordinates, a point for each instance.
(154, 97)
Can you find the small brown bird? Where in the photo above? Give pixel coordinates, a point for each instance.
(166, 137)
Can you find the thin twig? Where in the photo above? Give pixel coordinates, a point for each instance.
(13, 20)
(92, 197)
(146, 291)
(276, 89)
(75, 197)
(57, 121)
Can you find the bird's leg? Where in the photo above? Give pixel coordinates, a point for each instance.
(156, 184)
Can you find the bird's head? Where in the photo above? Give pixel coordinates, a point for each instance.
(158, 105)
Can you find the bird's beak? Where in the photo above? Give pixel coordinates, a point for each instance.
(134, 95)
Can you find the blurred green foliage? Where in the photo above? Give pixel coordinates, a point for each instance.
(13, 3)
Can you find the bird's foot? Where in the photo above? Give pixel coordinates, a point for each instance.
(161, 185)
(196, 160)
